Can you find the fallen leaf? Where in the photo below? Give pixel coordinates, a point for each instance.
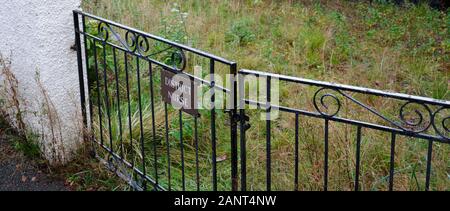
(377, 83)
(33, 179)
(24, 178)
(221, 158)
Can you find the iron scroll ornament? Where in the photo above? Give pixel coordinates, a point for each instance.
(139, 44)
(414, 117)
(323, 102)
(442, 127)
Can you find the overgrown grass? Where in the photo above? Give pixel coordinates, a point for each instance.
(403, 49)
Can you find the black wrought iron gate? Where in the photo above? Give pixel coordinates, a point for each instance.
(152, 145)
(114, 55)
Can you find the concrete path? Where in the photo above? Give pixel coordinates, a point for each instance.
(18, 173)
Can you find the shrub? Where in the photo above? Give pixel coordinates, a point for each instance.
(241, 32)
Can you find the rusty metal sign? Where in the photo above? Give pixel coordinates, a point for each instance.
(179, 90)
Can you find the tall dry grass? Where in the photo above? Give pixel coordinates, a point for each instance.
(379, 46)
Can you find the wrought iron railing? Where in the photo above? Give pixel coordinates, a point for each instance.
(146, 142)
(418, 117)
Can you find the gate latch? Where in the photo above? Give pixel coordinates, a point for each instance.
(245, 118)
(237, 118)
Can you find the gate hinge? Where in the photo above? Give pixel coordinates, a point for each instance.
(74, 47)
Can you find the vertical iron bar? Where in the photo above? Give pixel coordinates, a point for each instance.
(242, 134)
(183, 179)
(86, 56)
(97, 80)
(130, 126)
(268, 138)
(140, 123)
(166, 118)
(80, 69)
(392, 163)
(118, 102)
(358, 157)
(296, 151)
(108, 110)
(155, 152)
(234, 151)
(429, 159)
(196, 152)
(213, 125)
(325, 170)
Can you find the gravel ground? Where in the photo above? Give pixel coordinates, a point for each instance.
(17, 173)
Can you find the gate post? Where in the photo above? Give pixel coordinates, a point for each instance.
(243, 119)
(242, 135)
(80, 70)
(234, 120)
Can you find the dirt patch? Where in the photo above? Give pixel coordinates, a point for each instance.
(19, 173)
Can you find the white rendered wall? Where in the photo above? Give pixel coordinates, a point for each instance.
(37, 35)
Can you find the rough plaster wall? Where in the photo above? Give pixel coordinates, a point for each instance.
(37, 35)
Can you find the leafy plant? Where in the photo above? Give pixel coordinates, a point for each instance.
(241, 32)
(29, 148)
